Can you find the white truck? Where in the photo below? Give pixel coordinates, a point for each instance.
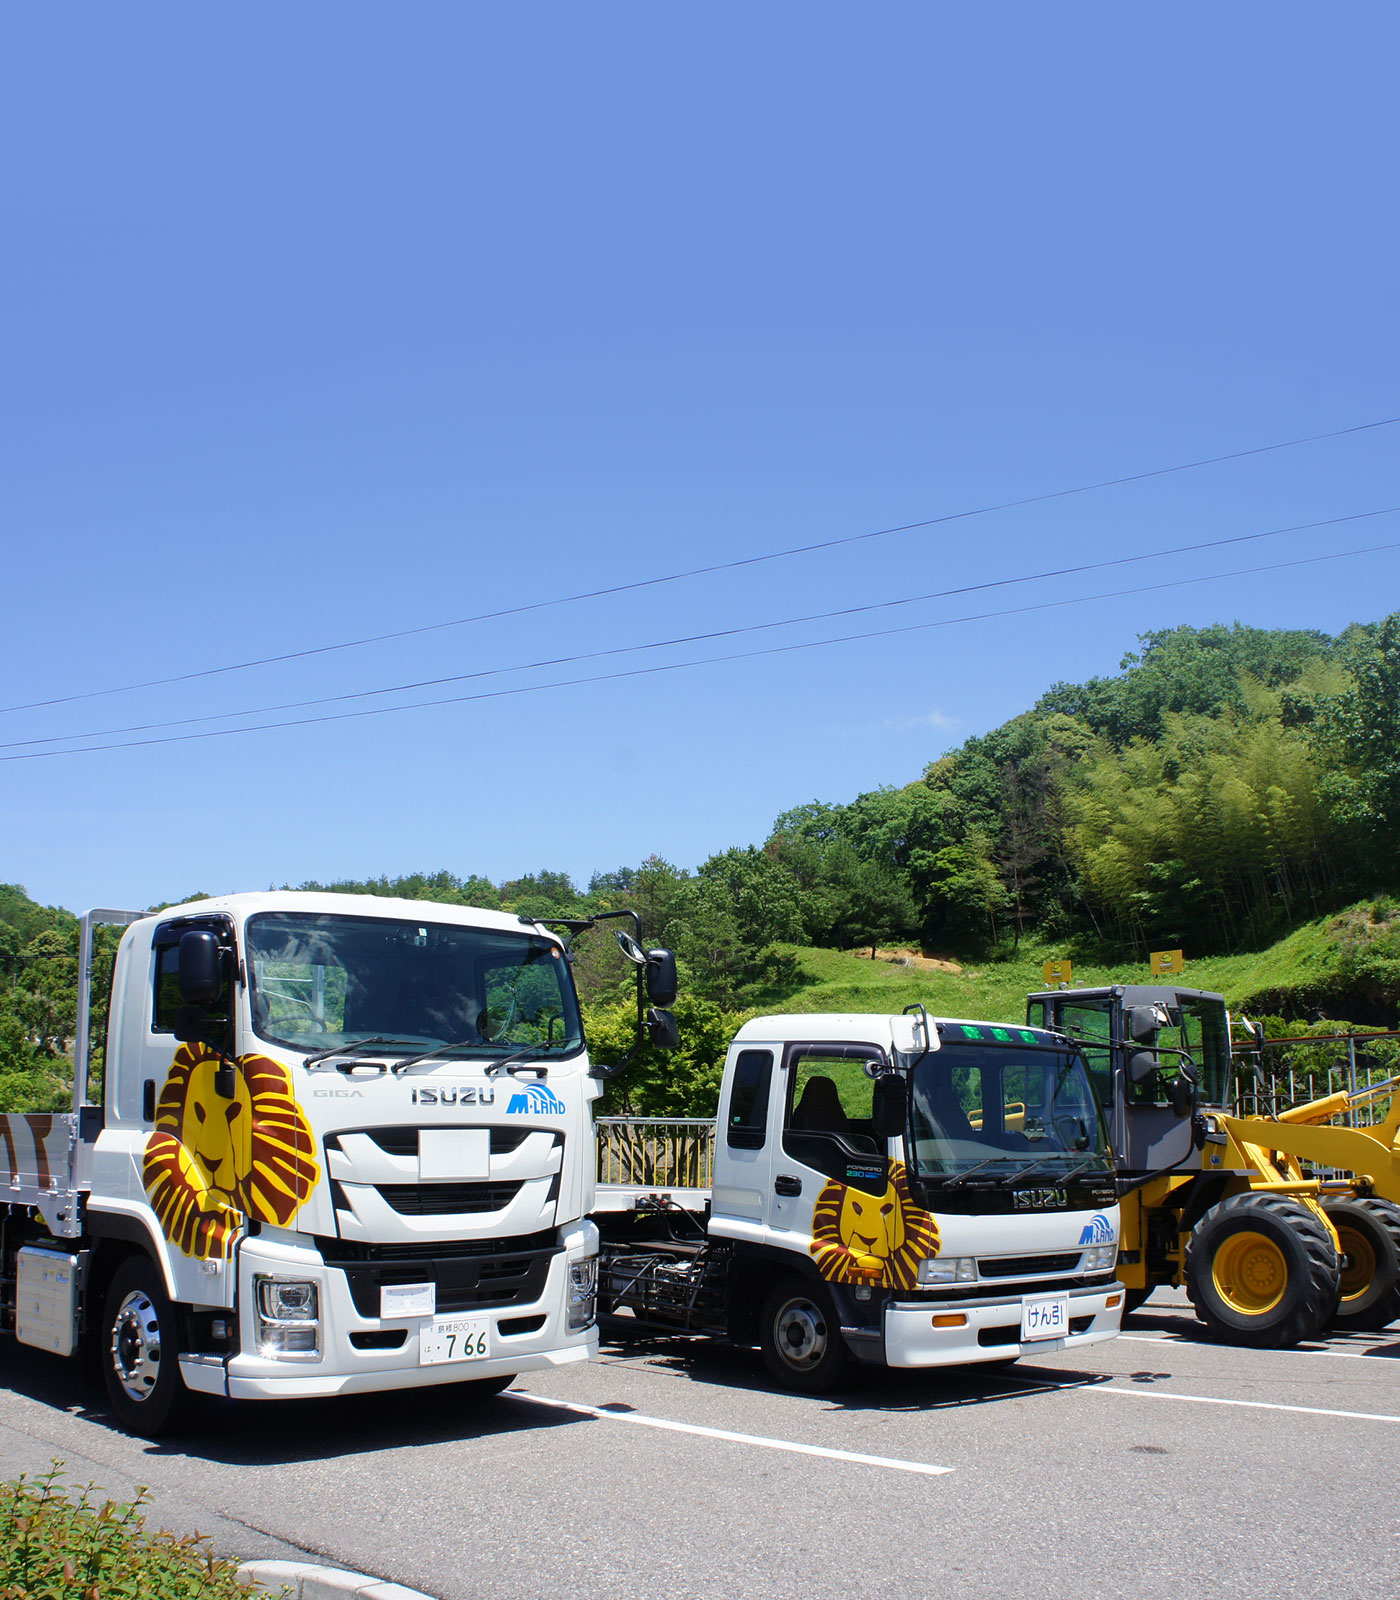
(894, 1190)
(344, 1143)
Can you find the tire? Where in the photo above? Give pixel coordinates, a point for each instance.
(1135, 1299)
(1261, 1271)
(800, 1336)
(139, 1348)
(1370, 1234)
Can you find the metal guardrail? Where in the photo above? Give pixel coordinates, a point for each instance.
(656, 1152)
(1287, 1073)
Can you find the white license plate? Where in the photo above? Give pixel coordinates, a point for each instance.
(1044, 1319)
(452, 1339)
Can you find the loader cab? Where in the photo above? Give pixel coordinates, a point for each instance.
(1156, 1054)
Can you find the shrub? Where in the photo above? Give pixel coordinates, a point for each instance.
(56, 1548)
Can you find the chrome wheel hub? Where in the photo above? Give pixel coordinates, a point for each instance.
(136, 1346)
(800, 1334)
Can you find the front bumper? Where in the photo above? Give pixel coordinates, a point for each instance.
(911, 1339)
(533, 1336)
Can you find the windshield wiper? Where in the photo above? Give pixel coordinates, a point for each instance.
(428, 1055)
(512, 1063)
(1059, 1177)
(496, 1064)
(353, 1049)
(962, 1177)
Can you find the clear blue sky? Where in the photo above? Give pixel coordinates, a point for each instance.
(330, 320)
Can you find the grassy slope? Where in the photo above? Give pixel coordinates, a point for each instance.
(1346, 965)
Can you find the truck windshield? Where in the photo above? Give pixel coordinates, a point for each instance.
(1004, 1109)
(322, 983)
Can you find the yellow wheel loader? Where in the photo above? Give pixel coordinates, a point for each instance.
(1209, 1202)
(1364, 1211)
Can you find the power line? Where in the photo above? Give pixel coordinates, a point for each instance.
(701, 638)
(707, 661)
(698, 572)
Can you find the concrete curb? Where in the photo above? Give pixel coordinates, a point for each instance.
(307, 1581)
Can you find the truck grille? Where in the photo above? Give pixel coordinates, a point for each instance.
(469, 1275)
(1026, 1266)
(438, 1199)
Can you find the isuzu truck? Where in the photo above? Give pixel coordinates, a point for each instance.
(896, 1190)
(342, 1143)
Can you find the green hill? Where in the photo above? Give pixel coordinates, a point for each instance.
(1344, 966)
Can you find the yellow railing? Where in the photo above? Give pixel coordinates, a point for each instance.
(656, 1152)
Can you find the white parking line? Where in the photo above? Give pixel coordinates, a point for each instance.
(1176, 1338)
(1249, 1405)
(732, 1438)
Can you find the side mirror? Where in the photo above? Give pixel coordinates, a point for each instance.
(1143, 1023)
(201, 968)
(1141, 1065)
(1183, 1097)
(889, 1106)
(662, 1030)
(661, 977)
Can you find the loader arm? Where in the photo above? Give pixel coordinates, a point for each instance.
(1371, 1153)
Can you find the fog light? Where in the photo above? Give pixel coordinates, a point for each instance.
(289, 1317)
(947, 1269)
(583, 1293)
(1112, 1301)
(950, 1319)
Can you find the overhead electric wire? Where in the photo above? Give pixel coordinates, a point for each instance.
(697, 572)
(700, 638)
(707, 661)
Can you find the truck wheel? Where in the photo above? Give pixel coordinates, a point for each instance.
(1133, 1299)
(1261, 1271)
(801, 1337)
(139, 1350)
(1370, 1235)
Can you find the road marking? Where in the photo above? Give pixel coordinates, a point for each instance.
(1198, 1344)
(732, 1438)
(1249, 1405)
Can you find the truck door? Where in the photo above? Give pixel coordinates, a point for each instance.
(827, 1132)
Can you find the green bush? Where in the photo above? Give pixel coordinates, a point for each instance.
(56, 1548)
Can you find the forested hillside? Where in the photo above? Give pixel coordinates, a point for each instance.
(1226, 786)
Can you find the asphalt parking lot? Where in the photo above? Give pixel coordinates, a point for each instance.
(1140, 1467)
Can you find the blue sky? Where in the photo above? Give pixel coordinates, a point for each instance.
(335, 320)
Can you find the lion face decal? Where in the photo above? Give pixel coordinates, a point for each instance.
(872, 1239)
(211, 1162)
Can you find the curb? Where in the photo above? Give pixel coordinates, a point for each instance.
(307, 1581)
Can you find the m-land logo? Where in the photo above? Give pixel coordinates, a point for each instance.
(538, 1100)
(1098, 1230)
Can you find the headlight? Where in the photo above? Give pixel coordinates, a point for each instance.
(289, 1317)
(947, 1269)
(583, 1290)
(1102, 1258)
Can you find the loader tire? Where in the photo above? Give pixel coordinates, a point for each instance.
(1261, 1271)
(1370, 1235)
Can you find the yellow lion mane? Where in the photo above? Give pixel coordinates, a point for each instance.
(274, 1163)
(838, 1263)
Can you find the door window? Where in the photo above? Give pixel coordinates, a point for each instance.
(830, 1099)
(747, 1119)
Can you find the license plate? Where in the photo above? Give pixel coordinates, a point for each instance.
(452, 1339)
(1044, 1319)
